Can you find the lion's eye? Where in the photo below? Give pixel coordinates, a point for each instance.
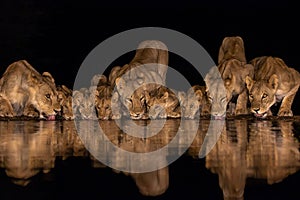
(47, 96)
(223, 99)
(251, 96)
(210, 98)
(264, 96)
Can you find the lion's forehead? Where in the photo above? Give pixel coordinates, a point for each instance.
(259, 88)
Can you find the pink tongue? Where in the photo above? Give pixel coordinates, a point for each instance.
(51, 117)
(218, 117)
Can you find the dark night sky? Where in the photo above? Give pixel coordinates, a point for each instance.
(56, 36)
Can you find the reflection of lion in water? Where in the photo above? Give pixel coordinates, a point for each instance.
(273, 82)
(26, 88)
(149, 65)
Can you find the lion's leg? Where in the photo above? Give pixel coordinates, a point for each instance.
(286, 105)
(30, 111)
(241, 105)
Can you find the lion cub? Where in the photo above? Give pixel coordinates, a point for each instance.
(273, 82)
(106, 98)
(197, 102)
(163, 103)
(64, 96)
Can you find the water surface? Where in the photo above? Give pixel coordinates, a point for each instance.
(252, 159)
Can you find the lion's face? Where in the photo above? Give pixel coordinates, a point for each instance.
(65, 100)
(136, 104)
(67, 111)
(163, 103)
(262, 95)
(218, 98)
(46, 101)
(217, 93)
(103, 108)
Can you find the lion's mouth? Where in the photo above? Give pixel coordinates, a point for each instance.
(51, 117)
(48, 117)
(261, 115)
(218, 117)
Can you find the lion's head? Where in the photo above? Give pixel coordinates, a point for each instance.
(197, 103)
(262, 95)
(64, 96)
(217, 93)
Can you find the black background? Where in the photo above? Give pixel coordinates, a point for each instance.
(56, 36)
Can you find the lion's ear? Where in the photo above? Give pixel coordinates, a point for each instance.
(119, 83)
(48, 77)
(248, 70)
(273, 81)
(34, 78)
(66, 89)
(199, 95)
(249, 82)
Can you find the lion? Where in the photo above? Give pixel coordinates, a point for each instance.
(86, 108)
(65, 99)
(273, 82)
(233, 70)
(233, 73)
(232, 47)
(163, 103)
(197, 102)
(216, 92)
(149, 65)
(105, 100)
(6, 110)
(25, 88)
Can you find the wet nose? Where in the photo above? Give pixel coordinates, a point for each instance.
(256, 109)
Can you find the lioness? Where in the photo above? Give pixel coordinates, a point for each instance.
(233, 68)
(232, 47)
(149, 65)
(216, 92)
(273, 82)
(6, 110)
(197, 102)
(25, 88)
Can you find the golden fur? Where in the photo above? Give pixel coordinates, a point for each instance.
(6, 110)
(26, 88)
(148, 65)
(233, 70)
(197, 102)
(106, 99)
(65, 100)
(232, 47)
(163, 103)
(273, 82)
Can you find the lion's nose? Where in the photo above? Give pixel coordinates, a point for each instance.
(256, 109)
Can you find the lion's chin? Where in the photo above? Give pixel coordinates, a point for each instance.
(261, 115)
